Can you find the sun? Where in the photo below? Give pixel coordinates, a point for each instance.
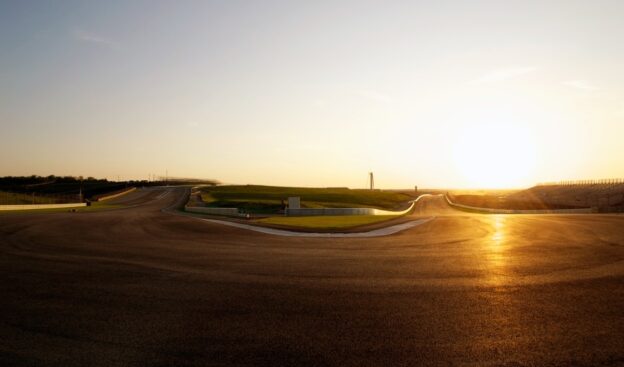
(495, 155)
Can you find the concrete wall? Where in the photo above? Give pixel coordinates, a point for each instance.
(112, 196)
(294, 202)
(41, 206)
(302, 212)
(508, 211)
(233, 212)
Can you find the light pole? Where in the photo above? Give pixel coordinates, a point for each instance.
(80, 191)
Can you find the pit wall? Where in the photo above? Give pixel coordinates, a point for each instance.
(509, 211)
(41, 206)
(112, 196)
(303, 212)
(232, 212)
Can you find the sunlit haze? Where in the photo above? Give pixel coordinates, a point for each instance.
(463, 94)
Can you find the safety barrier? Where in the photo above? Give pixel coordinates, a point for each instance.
(302, 212)
(115, 195)
(41, 206)
(232, 212)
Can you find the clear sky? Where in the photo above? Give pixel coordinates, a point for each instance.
(314, 93)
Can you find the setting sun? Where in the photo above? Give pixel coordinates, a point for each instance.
(495, 156)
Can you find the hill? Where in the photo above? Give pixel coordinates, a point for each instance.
(605, 195)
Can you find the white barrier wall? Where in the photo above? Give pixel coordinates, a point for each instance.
(509, 211)
(212, 211)
(41, 206)
(302, 212)
(112, 196)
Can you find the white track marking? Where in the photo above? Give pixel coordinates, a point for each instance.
(163, 195)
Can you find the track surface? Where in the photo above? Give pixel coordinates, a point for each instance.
(140, 287)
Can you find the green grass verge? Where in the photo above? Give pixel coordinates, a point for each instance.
(327, 222)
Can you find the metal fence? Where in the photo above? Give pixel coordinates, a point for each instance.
(606, 195)
(606, 181)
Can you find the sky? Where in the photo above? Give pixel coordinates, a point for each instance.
(452, 94)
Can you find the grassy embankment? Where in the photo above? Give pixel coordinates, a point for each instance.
(268, 199)
(518, 200)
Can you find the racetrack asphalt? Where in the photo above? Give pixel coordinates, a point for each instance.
(142, 287)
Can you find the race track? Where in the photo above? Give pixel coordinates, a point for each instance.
(140, 286)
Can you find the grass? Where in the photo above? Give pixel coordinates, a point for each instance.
(327, 222)
(268, 199)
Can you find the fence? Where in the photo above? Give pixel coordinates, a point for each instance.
(607, 194)
(606, 181)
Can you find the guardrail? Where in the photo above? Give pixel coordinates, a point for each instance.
(517, 211)
(40, 206)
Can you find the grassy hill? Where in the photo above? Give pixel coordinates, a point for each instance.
(607, 197)
(507, 202)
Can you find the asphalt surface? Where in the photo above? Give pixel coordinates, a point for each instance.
(142, 287)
